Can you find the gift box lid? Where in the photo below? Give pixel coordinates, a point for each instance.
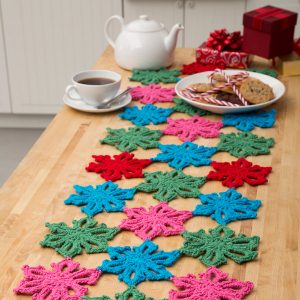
(270, 19)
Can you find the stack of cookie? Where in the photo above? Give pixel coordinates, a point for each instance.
(253, 90)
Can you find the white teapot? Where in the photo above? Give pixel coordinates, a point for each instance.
(144, 44)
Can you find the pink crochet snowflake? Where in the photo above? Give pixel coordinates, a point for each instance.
(209, 287)
(148, 225)
(189, 129)
(152, 93)
(54, 285)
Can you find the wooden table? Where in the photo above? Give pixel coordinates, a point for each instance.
(35, 192)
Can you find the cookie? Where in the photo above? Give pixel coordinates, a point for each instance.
(226, 89)
(229, 98)
(219, 77)
(255, 91)
(202, 87)
(206, 102)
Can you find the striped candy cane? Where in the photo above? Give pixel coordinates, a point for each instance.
(241, 76)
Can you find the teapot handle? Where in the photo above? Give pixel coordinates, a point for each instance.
(106, 28)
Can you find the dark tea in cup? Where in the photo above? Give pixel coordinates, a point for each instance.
(96, 81)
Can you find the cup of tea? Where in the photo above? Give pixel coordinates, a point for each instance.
(94, 87)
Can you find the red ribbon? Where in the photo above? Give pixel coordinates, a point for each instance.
(222, 40)
(296, 47)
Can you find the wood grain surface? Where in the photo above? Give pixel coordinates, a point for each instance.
(35, 192)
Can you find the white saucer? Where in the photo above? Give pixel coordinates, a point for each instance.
(82, 106)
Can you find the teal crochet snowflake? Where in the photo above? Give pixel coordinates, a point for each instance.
(140, 261)
(147, 77)
(184, 107)
(181, 156)
(131, 139)
(107, 196)
(227, 207)
(148, 113)
(243, 144)
(247, 121)
(131, 293)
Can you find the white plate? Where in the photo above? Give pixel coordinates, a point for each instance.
(278, 90)
(82, 106)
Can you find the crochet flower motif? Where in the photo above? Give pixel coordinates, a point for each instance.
(247, 121)
(212, 285)
(189, 129)
(196, 67)
(122, 164)
(69, 241)
(181, 156)
(141, 260)
(107, 196)
(148, 113)
(230, 204)
(132, 291)
(184, 107)
(56, 284)
(148, 225)
(171, 184)
(233, 175)
(147, 77)
(244, 144)
(265, 71)
(152, 93)
(217, 247)
(131, 139)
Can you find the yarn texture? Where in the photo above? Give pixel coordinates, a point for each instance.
(147, 77)
(122, 164)
(233, 175)
(141, 260)
(211, 286)
(247, 121)
(132, 291)
(55, 284)
(171, 184)
(212, 249)
(152, 93)
(148, 225)
(69, 241)
(181, 156)
(148, 113)
(183, 107)
(135, 136)
(106, 196)
(264, 71)
(190, 129)
(230, 204)
(244, 144)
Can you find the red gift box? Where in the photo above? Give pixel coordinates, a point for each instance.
(269, 31)
(231, 59)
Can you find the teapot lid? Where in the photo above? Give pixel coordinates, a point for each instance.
(144, 24)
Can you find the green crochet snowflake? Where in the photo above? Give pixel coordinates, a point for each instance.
(171, 184)
(244, 144)
(264, 71)
(184, 107)
(216, 247)
(148, 77)
(131, 139)
(132, 291)
(69, 241)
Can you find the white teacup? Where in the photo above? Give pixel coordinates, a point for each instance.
(94, 94)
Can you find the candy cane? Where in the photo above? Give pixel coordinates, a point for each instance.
(230, 83)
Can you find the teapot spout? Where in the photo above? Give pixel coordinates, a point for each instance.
(171, 39)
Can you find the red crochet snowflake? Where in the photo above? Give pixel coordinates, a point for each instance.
(148, 225)
(196, 67)
(55, 285)
(213, 286)
(152, 93)
(234, 174)
(112, 169)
